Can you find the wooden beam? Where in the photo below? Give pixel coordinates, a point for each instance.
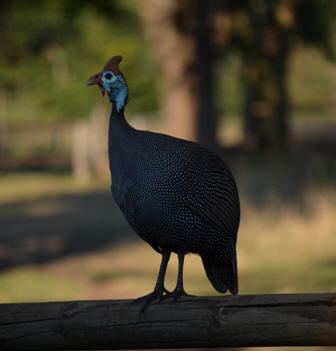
(248, 320)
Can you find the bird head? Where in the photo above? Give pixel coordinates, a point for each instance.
(111, 80)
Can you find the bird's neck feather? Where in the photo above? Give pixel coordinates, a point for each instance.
(121, 143)
(119, 98)
(119, 129)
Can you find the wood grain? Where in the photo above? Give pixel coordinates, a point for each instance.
(224, 321)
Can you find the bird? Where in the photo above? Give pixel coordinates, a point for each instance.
(176, 195)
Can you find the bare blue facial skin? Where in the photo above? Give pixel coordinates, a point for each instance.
(116, 88)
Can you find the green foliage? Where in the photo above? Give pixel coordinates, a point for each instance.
(229, 93)
(49, 49)
(311, 84)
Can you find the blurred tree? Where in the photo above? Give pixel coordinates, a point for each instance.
(207, 118)
(189, 36)
(265, 33)
(181, 33)
(175, 49)
(48, 49)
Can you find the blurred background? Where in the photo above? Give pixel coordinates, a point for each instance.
(253, 80)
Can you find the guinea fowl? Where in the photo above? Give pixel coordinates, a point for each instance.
(176, 195)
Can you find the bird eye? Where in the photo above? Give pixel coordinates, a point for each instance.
(108, 75)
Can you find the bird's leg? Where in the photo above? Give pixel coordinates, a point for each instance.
(159, 289)
(179, 290)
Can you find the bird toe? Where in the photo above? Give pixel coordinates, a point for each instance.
(149, 298)
(176, 295)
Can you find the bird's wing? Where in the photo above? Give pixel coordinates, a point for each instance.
(214, 195)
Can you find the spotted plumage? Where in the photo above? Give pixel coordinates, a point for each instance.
(176, 195)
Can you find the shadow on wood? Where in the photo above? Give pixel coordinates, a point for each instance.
(223, 321)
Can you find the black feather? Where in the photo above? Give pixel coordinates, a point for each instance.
(177, 196)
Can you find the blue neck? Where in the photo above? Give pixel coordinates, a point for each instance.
(119, 97)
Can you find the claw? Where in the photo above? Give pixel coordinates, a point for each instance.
(147, 299)
(177, 294)
(162, 296)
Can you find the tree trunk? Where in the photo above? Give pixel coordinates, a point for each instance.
(98, 141)
(207, 117)
(180, 35)
(266, 104)
(282, 112)
(264, 77)
(4, 128)
(176, 55)
(80, 152)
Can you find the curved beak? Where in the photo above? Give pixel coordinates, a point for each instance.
(96, 79)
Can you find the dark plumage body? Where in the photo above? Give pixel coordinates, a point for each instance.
(177, 196)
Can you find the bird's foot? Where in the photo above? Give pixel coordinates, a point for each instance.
(177, 294)
(147, 299)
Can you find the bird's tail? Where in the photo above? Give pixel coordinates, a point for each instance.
(223, 276)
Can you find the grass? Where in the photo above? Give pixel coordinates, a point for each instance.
(281, 249)
(16, 187)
